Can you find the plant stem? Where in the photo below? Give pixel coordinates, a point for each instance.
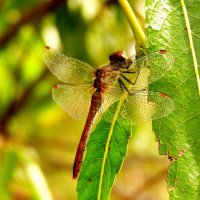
(187, 22)
(134, 24)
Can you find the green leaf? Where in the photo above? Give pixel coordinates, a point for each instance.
(95, 180)
(179, 132)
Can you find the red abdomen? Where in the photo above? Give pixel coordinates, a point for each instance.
(94, 108)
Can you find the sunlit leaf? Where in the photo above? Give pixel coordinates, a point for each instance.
(93, 172)
(166, 29)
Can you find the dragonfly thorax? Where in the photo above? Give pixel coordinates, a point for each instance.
(105, 75)
(97, 81)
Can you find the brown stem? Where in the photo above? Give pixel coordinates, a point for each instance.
(30, 14)
(18, 104)
(150, 182)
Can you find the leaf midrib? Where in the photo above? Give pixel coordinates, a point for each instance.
(194, 58)
(105, 156)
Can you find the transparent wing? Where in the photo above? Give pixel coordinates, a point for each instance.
(111, 96)
(75, 100)
(67, 69)
(144, 106)
(141, 107)
(159, 63)
(146, 70)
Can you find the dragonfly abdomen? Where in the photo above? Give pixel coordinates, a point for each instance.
(94, 108)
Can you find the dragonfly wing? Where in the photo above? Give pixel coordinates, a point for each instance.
(159, 63)
(67, 69)
(75, 100)
(144, 106)
(111, 96)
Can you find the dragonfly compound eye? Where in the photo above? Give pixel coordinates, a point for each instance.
(118, 56)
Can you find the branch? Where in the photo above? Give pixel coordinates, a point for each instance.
(134, 24)
(31, 14)
(150, 182)
(18, 104)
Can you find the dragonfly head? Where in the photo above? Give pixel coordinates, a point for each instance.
(120, 59)
(118, 56)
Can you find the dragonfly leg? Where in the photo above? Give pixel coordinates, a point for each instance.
(132, 83)
(122, 86)
(130, 71)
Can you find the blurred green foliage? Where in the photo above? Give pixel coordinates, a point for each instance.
(37, 139)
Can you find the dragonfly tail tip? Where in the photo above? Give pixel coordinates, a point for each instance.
(74, 177)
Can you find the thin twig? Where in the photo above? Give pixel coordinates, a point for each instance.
(17, 104)
(134, 24)
(31, 14)
(149, 183)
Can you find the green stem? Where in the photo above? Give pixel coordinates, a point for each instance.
(134, 24)
(187, 22)
(105, 157)
(37, 183)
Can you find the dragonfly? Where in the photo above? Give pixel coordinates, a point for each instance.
(89, 91)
